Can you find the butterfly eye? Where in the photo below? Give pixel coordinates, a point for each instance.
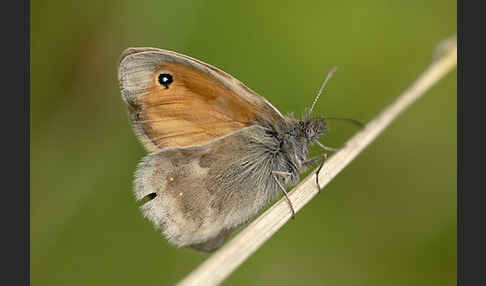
(309, 132)
(165, 79)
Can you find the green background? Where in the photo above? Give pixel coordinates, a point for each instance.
(388, 219)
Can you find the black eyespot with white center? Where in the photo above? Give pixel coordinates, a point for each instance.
(165, 79)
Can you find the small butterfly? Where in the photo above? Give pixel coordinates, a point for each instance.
(218, 151)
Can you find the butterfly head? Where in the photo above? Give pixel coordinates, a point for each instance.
(310, 128)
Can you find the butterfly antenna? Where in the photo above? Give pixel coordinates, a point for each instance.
(331, 72)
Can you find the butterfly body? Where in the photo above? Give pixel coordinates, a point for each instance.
(218, 152)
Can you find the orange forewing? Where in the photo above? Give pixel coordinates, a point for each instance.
(193, 110)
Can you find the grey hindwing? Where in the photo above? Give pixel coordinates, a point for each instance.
(200, 194)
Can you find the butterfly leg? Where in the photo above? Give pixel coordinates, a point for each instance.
(284, 191)
(324, 155)
(281, 173)
(327, 148)
(311, 162)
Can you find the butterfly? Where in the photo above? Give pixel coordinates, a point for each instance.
(217, 151)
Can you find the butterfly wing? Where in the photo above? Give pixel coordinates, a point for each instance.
(198, 195)
(208, 169)
(200, 103)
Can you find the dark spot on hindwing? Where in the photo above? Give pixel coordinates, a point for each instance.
(147, 199)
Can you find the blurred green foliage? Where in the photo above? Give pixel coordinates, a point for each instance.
(387, 219)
